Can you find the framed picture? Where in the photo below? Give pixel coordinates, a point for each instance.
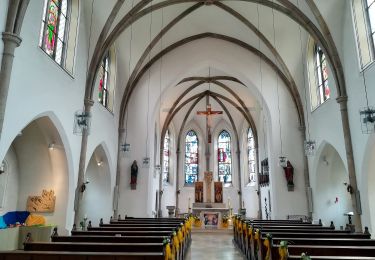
(211, 219)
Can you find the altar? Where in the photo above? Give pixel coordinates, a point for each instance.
(210, 213)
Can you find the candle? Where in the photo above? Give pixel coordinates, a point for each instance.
(228, 202)
(189, 204)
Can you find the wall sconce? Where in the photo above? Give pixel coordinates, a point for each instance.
(309, 147)
(2, 167)
(51, 146)
(99, 163)
(324, 159)
(82, 121)
(125, 147)
(283, 161)
(349, 187)
(83, 186)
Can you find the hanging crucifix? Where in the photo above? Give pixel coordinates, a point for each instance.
(208, 113)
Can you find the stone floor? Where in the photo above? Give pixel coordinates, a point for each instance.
(218, 246)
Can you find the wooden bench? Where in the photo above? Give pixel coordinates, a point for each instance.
(94, 247)
(38, 255)
(324, 250)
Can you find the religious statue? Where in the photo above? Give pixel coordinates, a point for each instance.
(289, 171)
(133, 175)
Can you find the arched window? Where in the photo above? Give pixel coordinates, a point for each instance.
(321, 92)
(191, 157)
(364, 22)
(251, 156)
(166, 153)
(104, 81)
(53, 36)
(224, 157)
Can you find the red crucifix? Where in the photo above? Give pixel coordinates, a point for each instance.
(208, 113)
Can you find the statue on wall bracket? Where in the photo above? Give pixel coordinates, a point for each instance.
(289, 172)
(133, 175)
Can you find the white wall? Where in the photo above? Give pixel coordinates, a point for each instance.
(41, 168)
(40, 87)
(11, 182)
(197, 56)
(97, 199)
(330, 179)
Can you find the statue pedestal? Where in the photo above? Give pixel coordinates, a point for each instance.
(171, 211)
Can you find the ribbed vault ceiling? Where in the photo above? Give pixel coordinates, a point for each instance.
(143, 37)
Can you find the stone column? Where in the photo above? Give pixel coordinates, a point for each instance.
(116, 193)
(343, 102)
(11, 42)
(81, 168)
(258, 184)
(238, 153)
(177, 179)
(306, 173)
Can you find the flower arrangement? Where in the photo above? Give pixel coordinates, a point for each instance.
(225, 219)
(197, 221)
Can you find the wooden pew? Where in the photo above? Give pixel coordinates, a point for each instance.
(94, 247)
(279, 229)
(324, 250)
(109, 239)
(312, 239)
(38, 255)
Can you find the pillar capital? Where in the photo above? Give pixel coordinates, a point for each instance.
(302, 128)
(342, 99)
(88, 102)
(11, 38)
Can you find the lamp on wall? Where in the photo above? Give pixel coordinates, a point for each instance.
(99, 163)
(83, 186)
(82, 121)
(367, 114)
(2, 167)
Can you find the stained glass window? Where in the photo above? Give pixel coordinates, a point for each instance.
(321, 72)
(166, 152)
(224, 157)
(370, 10)
(54, 29)
(191, 157)
(104, 81)
(251, 156)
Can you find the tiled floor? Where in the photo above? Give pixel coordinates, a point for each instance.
(215, 246)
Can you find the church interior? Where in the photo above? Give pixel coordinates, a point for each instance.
(212, 111)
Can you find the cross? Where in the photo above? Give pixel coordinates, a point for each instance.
(208, 113)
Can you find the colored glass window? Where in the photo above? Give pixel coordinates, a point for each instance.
(321, 72)
(251, 156)
(191, 157)
(224, 157)
(104, 81)
(54, 29)
(166, 157)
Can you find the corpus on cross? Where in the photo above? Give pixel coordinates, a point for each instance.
(208, 113)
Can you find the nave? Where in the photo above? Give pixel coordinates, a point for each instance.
(213, 245)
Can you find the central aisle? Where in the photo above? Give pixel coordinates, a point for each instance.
(216, 246)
